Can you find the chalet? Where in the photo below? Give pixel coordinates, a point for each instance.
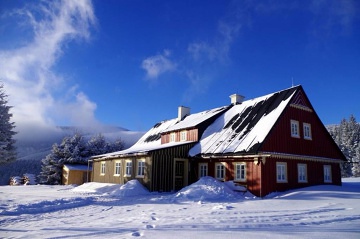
(271, 143)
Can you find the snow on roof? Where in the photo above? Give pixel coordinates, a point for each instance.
(243, 127)
(78, 167)
(193, 120)
(148, 142)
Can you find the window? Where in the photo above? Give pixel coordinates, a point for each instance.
(102, 169)
(240, 171)
(220, 171)
(302, 173)
(307, 131)
(327, 174)
(295, 129)
(281, 175)
(117, 168)
(183, 135)
(203, 169)
(172, 137)
(140, 168)
(128, 168)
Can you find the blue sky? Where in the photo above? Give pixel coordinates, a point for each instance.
(131, 63)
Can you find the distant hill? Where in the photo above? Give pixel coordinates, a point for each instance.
(31, 150)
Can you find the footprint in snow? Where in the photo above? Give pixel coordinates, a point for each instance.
(135, 234)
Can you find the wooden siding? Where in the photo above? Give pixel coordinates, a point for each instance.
(74, 177)
(280, 139)
(261, 178)
(159, 168)
(191, 135)
(315, 175)
(110, 177)
(163, 165)
(253, 171)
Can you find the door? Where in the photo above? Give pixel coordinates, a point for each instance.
(180, 174)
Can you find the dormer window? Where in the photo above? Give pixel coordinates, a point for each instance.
(172, 137)
(183, 135)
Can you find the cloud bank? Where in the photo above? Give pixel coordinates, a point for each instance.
(35, 90)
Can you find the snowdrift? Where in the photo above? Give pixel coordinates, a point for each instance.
(131, 188)
(208, 189)
(205, 189)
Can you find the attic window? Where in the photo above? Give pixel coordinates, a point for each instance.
(172, 137)
(307, 131)
(294, 128)
(183, 135)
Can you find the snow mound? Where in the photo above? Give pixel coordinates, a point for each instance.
(131, 188)
(207, 189)
(96, 188)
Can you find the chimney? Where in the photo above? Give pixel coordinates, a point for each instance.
(183, 112)
(236, 99)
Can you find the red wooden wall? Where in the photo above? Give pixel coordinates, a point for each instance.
(192, 135)
(280, 139)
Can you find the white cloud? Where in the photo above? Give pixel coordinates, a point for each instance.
(332, 16)
(27, 70)
(158, 64)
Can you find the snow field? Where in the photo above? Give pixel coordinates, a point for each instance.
(206, 209)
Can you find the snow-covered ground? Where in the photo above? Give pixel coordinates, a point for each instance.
(206, 209)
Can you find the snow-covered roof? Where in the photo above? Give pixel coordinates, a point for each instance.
(243, 127)
(193, 120)
(78, 167)
(148, 142)
(152, 139)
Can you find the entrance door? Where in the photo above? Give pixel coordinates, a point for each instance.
(180, 173)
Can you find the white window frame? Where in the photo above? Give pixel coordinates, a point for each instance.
(140, 169)
(128, 168)
(302, 173)
(220, 168)
(281, 172)
(240, 172)
(117, 168)
(172, 137)
(183, 135)
(307, 131)
(102, 168)
(294, 127)
(203, 169)
(327, 174)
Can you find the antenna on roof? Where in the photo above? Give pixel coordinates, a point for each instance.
(292, 81)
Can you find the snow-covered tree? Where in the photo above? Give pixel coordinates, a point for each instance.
(347, 137)
(7, 143)
(73, 150)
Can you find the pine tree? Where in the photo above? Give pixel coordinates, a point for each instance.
(347, 137)
(7, 143)
(73, 150)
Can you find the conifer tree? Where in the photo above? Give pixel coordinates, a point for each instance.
(7, 142)
(73, 150)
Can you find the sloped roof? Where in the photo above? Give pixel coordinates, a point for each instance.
(151, 140)
(194, 120)
(243, 127)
